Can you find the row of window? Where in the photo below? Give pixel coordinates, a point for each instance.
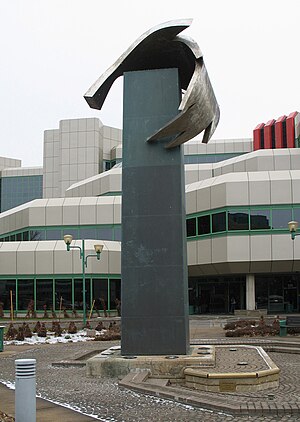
(17, 190)
(219, 221)
(65, 293)
(57, 233)
(209, 158)
(235, 219)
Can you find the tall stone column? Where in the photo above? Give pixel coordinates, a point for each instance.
(250, 292)
(154, 265)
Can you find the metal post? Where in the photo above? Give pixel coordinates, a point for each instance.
(25, 395)
(83, 281)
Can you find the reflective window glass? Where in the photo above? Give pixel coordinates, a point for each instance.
(117, 233)
(44, 294)
(238, 220)
(204, 224)
(78, 294)
(37, 235)
(219, 222)
(280, 218)
(54, 234)
(8, 291)
(86, 233)
(296, 214)
(25, 294)
(104, 233)
(115, 292)
(191, 227)
(71, 231)
(63, 294)
(260, 220)
(100, 293)
(25, 235)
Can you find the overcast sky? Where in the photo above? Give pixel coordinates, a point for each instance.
(52, 51)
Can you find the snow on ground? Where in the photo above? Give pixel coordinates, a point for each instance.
(53, 339)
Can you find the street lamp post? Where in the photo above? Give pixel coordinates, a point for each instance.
(98, 249)
(293, 226)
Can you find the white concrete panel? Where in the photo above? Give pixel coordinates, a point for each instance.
(63, 259)
(92, 124)
(238, 248)
(191, 200)
(295, 179)
(82, 125)
(87, 210)
(117, 202)
(65, 141)
(81, 155)
(203, 189)
(37, 212)
(220, 147)
(192, 252)
(73, 172)
(54, 212)
(282, 249)
(64, 125)
(74, 125)
(239, 165)
(295, 158)
(219, 249)
(70, 211)
(251, 163)
(237, 189)
(115, 180)
(260, 248)
(265, 159)
(22, 217)
(8, 257)
(114, 261)
(281, 187)
(44, 257)
(204, 251)
(218, 192)
(105, 209)
(259, 188)
(282, 159)
(191, 173)
(26, 257)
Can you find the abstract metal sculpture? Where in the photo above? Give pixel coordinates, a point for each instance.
(160, 48)
(156, 121)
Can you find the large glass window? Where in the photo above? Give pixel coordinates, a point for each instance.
(104, 233)
(238, 220)
(204, 224)
(117, 233)
(260, 220)
(73, 232)
(63, 294)
(25, 293)
(219, 222)
(100, 293)
(114, 291)
(191, 227)
(280, 218)
(86, 233)
(78, 294)
(54, 234)
(8, 291)
(37, 235)
(296, 214)
(44, 294)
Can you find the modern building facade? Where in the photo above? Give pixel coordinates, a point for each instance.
(239, 200)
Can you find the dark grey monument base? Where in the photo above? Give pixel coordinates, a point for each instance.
(154, 269)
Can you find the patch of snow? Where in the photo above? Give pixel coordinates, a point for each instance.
(52, 339)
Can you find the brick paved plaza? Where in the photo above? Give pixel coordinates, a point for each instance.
(106, 400)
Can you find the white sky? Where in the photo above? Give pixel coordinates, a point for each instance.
(52, 51)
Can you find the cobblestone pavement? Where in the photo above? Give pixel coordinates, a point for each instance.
(104, 399)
